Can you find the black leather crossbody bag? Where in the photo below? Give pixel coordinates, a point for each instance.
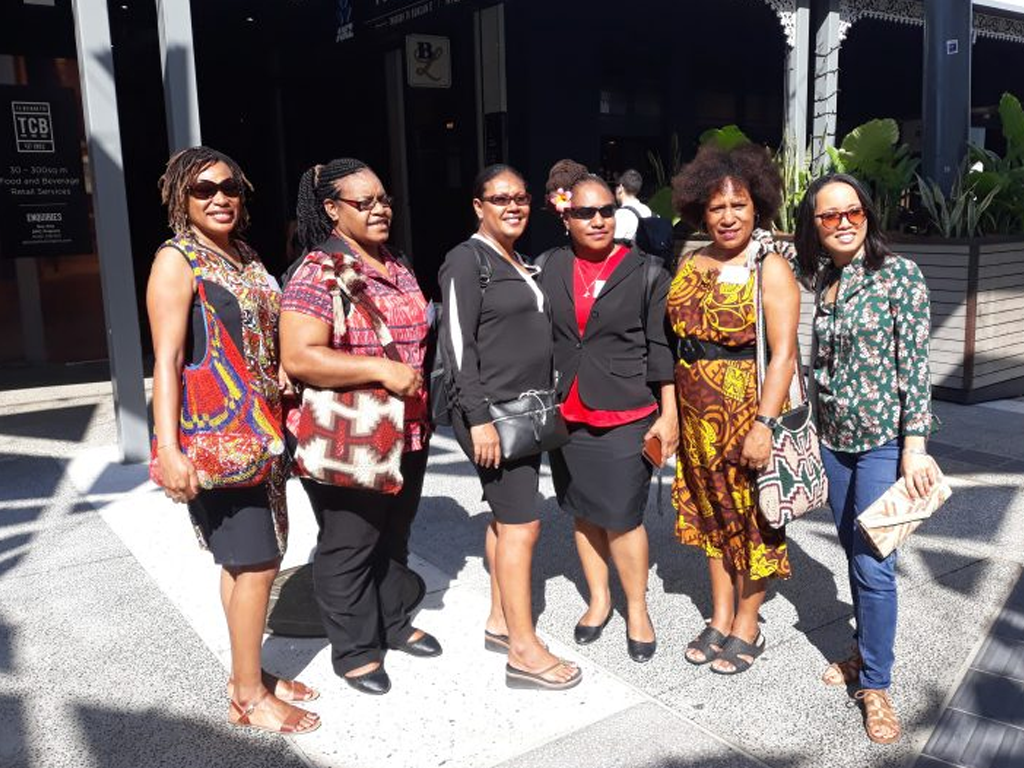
(529, 424)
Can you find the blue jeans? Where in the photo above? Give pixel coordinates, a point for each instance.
(855, 480)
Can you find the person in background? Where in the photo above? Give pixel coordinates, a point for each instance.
(615, 385)
(726, 430)
(630, 210)
(496, 342)
(245, 529)
(364, 587)
(873, 405)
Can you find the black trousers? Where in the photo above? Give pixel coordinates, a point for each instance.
(364, 587)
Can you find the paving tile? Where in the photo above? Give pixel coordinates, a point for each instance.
(992, 697)
(648, 735)
(963, 739)
(999, 656)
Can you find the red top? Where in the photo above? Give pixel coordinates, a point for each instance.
(588, 279)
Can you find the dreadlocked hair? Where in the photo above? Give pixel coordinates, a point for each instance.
(182, 170)
(317, 185)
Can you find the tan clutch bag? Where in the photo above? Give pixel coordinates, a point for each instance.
(894, 516)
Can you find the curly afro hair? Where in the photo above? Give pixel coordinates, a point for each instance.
(749, 164)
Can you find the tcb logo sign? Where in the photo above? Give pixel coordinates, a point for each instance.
(33, 126)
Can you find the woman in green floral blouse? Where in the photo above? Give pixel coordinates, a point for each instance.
(873, 404)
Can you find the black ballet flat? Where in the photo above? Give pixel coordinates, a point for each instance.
(641, 652)
(375, 683)
(585, 635)
(424, 647)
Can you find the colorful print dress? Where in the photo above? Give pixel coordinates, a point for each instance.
(258, 299)
(714, 497)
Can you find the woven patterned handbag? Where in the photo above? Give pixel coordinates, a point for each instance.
(353, 437)
(228, 430)
(794, 481)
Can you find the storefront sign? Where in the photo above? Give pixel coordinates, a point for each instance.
(356, 15)
(428, 61)
(44, 210)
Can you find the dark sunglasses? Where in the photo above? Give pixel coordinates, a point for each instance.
(369, 203)
(586, 213)
(504, 201)
(832, 219)
(204, 190)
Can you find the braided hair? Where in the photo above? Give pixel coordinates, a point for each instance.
(182, 170)
(317, 185)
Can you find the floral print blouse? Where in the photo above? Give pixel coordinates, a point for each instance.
(871, 369)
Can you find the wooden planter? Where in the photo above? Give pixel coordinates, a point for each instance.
(977, 301)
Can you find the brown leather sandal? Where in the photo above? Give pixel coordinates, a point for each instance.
(879, 716)
(285, 690)
(845, 672)
(290, 726)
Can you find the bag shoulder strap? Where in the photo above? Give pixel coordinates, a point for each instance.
(652, 271)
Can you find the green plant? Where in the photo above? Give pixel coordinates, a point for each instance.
(962, 212)
(1002, 178)
(660, 202)
(726, 137)
(872, 153)
(796, 176)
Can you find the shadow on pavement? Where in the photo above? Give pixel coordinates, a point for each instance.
(68, 423)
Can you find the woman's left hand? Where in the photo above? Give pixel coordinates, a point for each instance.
(757, 448)
(919, 472)
(666, 428)
(284, 382)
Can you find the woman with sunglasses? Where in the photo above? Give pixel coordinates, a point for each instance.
(245, 529)
(363, 585)
(873, 406)
(608, 305)
(496, 343)
(726, 429)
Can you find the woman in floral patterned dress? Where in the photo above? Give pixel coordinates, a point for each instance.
(245, 529)
(873, 405)
(725, 434)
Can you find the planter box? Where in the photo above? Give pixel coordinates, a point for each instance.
(976, 288)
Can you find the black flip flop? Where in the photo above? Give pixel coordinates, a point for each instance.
(732, 649)
(520, 678)
(495, 642)
(709, 636)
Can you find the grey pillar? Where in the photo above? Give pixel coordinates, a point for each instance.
(178, 64)
(797, 57)
(394, 84)
(946, 110)
(492, 92)
(110, 208)
(826, 80)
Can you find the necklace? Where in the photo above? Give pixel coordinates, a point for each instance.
(600, 272)
(236, 263)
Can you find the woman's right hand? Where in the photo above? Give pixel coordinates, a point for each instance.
(180, 481)
(401, 379)
(486, 446)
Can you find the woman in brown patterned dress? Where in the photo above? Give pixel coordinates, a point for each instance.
(244, 528)
(725, 434)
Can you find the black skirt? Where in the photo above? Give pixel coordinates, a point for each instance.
(511, 489)
(237, 525)
(600, 475)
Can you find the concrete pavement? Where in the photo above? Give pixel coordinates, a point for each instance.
(113, 646)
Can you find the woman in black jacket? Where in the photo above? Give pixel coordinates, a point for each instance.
(615, 368)
(496, 343)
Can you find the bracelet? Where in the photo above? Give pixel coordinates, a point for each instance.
(916, 451)
(768, 421)
(167, 445)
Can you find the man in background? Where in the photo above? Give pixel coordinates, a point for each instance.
(631, 210)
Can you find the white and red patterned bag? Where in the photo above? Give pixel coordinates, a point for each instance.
(352, 437)
(794, 481)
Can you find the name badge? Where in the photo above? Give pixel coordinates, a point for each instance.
(272, 283)
(598, 285)
(734, 274)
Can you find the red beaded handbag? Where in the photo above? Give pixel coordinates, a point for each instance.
(228, 430)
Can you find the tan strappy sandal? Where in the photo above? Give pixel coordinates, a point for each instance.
(285, 690)
(290, 727)
(845, 672)
(880, 721)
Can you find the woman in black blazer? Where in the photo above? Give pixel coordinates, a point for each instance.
(615, 369)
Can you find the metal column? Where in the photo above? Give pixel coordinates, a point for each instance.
(110, 208)
(394, 84)
(178, 64)
(796, 80)
(826, 81)
(946, 109)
